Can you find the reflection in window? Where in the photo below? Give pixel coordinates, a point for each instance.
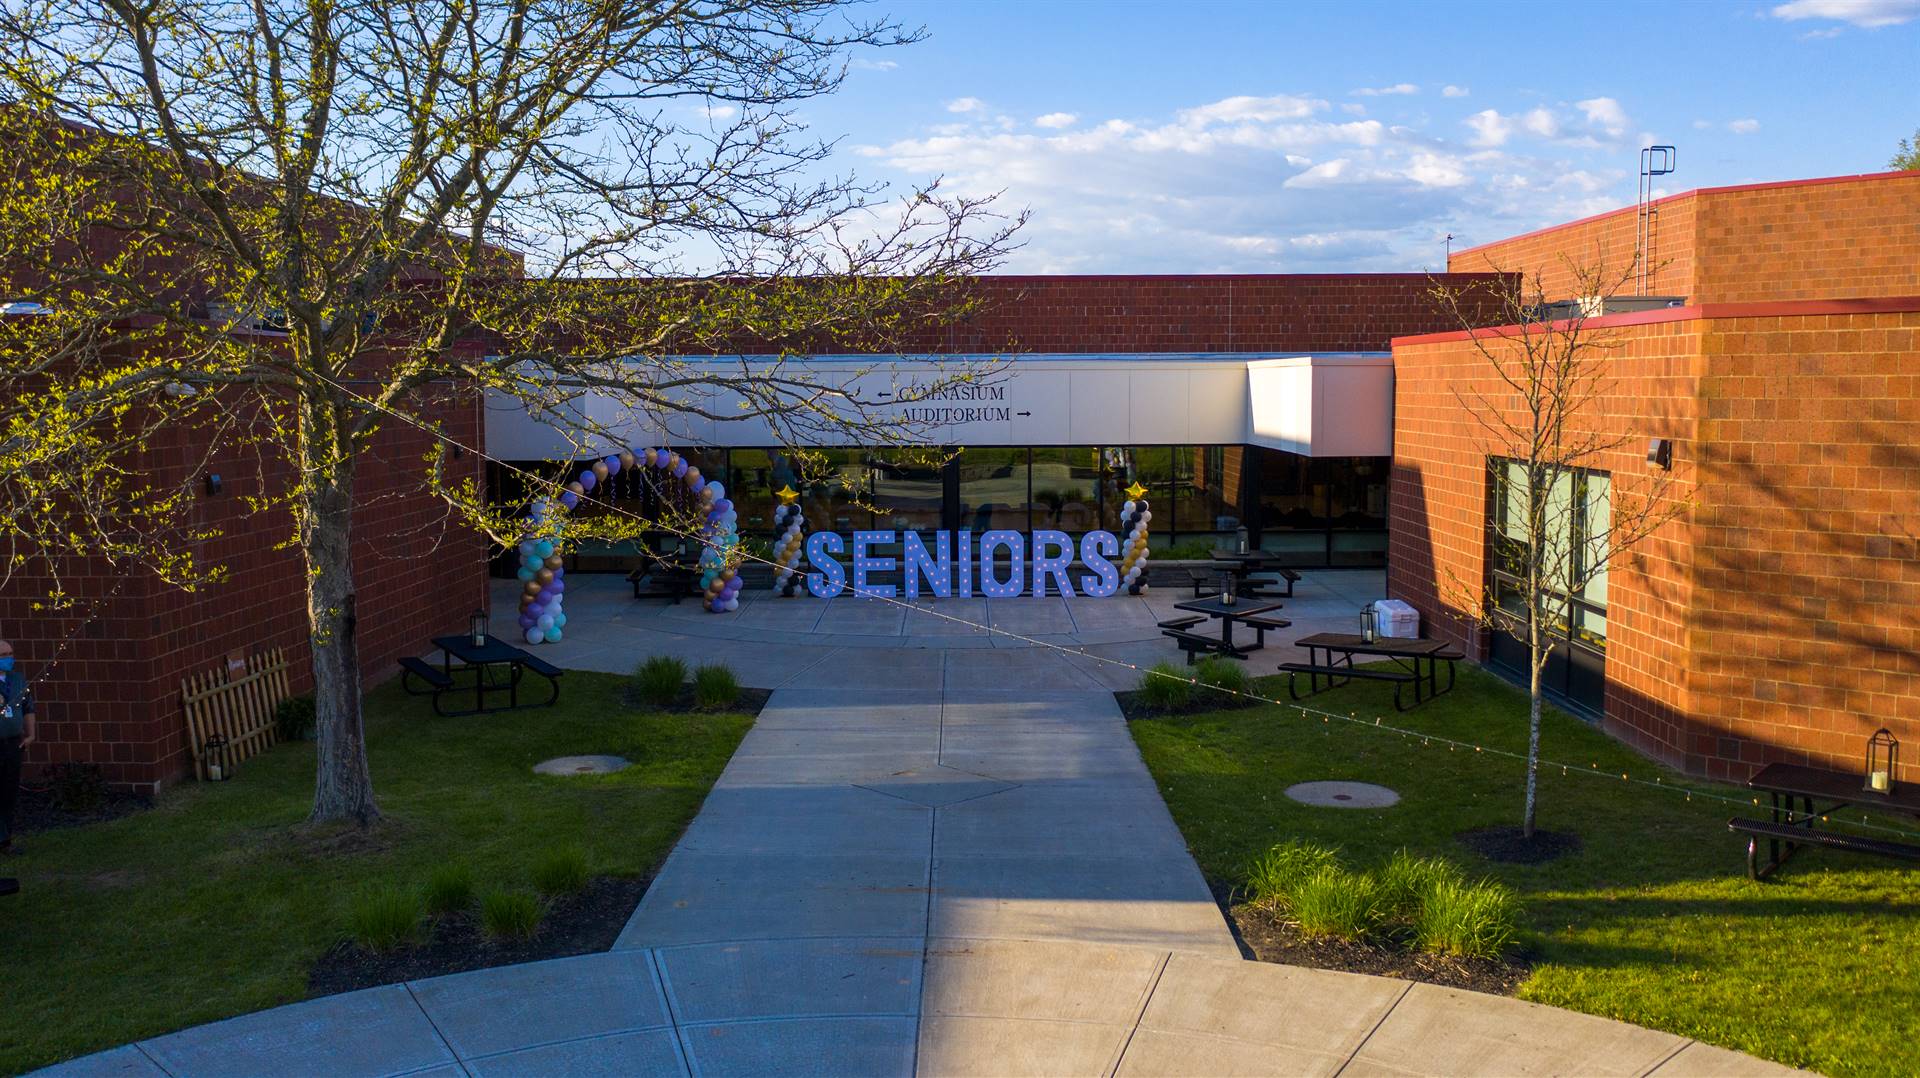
(1066, 489)
(993, 489)
(1574, 517)
(908, 489)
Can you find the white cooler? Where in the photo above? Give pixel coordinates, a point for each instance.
(1396, 619)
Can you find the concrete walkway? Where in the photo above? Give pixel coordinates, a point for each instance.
(913, 881)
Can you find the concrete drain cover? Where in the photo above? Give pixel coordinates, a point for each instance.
(1344, 795)
(580, 765)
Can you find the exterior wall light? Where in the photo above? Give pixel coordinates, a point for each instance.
(213, 483)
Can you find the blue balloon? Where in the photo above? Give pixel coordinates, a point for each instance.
(613, 465)
(559, 620)
(525, 574)
(569, 499)
(544, 548)
(553, 635)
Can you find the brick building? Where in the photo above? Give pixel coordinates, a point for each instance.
(1779, 617)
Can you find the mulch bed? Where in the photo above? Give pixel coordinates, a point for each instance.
(750, 701)
(37, 812)
(586, 923)
(1133, 706)
(1508, 845)
(1265, 937)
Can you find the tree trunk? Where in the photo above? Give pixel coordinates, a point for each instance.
(342, 786)
(1533, 744)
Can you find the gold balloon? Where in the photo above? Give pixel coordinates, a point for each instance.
(599, 469)
(726, 575)
(532, 588)
(576, 487)
(673, 460)
(693, 476)
(626, 459)
(556, 562)
(543, 577)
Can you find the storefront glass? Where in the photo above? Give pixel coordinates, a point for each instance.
(994, 489)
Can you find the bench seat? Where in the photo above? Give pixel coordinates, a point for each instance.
(411, 667)
(1803, 835)
(1195, 643)
(541, 666)
(1181, 623)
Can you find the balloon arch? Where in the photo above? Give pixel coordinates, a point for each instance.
(542, 569)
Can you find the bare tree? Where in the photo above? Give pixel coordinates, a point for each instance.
(1559, 518)
(421, 201)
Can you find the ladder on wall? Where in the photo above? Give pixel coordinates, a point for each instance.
(1654, 161)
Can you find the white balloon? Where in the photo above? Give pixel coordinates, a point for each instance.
(536, 634)
(1146, 516)
(1127, 507)
(545, 621)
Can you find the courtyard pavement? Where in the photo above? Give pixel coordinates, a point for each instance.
(922, 878)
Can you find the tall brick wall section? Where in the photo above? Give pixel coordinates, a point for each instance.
(1221, 313)
(1853, 236)
(1780, 618)
(112, 693)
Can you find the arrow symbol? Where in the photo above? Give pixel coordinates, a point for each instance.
(1023, 413)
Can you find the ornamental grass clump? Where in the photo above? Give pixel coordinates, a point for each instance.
(657, 681)
(1280, 870)
(715, 687)
(1335, 902)
(1406, 880)
(512, 915)
(1472, 920)
(1224, 679)
(450, 889)
(384, 918)
(1166, 687)
(562, 872)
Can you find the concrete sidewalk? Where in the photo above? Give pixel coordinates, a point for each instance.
(921, 882)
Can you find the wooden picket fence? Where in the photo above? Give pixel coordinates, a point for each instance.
(236, 700)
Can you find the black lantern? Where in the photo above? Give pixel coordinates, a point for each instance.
(1366, 623)
(477, 627)
(1226, 589)
(1240, 539)
(214, 749)
(1883, 759)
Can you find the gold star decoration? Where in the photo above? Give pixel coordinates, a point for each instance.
(1136, 491)
(787, 494)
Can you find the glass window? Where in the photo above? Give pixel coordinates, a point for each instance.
(1207, 479)
(993, 489)
(1286, 498)
(837, 491)
(1574, 517)
(1066, 489)
(756, 474)
(909, 489)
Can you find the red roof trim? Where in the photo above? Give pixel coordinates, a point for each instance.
(1766, 309)
(1663, 200)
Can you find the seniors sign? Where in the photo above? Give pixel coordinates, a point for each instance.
(955, 564)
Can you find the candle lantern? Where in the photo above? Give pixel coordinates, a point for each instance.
(1883, 759)
(477, 626)
(1240, 539)
(219, 769)
(1366, 623)
(1226, 589)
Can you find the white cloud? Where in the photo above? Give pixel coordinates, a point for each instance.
(965, 105)
(1264, 184)
(1702, 125)
(1398, 89)
(873, 65)
(1866, 14)
(1744, 127)
(1454, 91)
(1490, 128)
(1606, 114)
(1353, 108)
(1055, 120)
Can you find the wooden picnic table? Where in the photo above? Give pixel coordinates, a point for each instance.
(1249, 609)
(1417, 663)
(496, 666)
(1821, 792)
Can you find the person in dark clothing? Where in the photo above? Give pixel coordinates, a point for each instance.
(16, 733)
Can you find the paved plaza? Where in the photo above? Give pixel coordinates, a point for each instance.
(968, 871)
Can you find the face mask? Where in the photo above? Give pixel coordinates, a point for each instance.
(6, 663)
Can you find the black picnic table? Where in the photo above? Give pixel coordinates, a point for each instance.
(497, 667)
(1821, 792)
(1244, 608)
(1243, 566)
(1416, 661)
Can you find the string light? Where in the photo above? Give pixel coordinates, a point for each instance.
(1787, 814)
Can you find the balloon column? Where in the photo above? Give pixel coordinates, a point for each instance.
(789, 538)
(1134, 518)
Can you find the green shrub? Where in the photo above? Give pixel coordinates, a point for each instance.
(384, 918)
(450, 889)
(715, 687)
(1278, 872)
(1405, 881)
(657, 681)
(1226, 678)
(1474, 920)
(1335, 902)
(510, 915)
(293, 718)
(1191, 550)
(562, 872)
(1166, 687)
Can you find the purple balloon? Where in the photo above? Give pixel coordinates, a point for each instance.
(569, 499)
(698, 485)
(558, 586)
(723, 505)
(526, 620)
(680, 468)
(613, 465)
(586, 479)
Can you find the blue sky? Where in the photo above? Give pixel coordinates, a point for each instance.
(1338, 137)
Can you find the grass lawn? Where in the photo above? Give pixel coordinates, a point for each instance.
(1653, 922)
(217, 901)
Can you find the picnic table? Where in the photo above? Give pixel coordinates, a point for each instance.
(1251, 612)
(1330, 658)
(1783, 783)
(1243, 566)
(495, 665)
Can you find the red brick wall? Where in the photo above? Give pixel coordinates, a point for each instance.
(1802, 239)
(1780, 618)
(1271, 313)
(113, 695)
